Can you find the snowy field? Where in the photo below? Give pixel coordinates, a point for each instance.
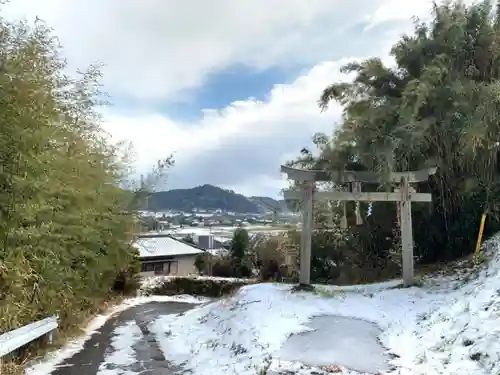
(447, 326)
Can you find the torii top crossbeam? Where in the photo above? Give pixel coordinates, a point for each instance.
(356, 176)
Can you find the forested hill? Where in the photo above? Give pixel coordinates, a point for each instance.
(208, 197)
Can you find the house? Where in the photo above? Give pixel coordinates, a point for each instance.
(209, 243)
(165, 255)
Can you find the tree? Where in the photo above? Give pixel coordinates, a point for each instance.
(439, 106)
(238, 251)
(66, 224)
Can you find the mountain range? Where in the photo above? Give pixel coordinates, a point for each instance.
(209, 197)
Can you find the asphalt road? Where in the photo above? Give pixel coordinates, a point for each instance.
(148, 358)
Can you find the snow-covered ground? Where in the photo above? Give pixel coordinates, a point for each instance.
(447, 326)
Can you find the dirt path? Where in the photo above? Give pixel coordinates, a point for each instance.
(124, 345)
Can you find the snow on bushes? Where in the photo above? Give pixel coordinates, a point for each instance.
(206, 286)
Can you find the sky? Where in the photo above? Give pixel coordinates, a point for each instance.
(230, 88)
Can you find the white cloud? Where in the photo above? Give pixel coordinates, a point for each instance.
(400, 10)
(240, 144)
(156, 49)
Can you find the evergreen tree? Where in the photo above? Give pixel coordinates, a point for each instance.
(239, 249)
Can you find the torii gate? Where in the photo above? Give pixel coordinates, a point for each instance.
(405, 195)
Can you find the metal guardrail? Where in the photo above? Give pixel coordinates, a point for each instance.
(17, 338)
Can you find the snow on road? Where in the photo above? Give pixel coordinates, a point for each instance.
(122, 355)
(48, 364)
(447, 326)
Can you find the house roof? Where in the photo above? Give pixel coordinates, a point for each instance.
(164, 246)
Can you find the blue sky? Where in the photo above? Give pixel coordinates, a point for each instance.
(220, 89)
(229, 87)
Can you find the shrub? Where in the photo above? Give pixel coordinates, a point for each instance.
(222, 267)
(245, 271)
(269, 256)
(202, 263)
(270, 270)
(198, 286)
(127, 281)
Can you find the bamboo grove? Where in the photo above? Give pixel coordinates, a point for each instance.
(65, 230)
(438, 104)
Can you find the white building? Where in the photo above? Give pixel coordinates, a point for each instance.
(164, 255)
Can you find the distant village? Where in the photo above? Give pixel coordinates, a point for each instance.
(214, 218)
(210, 231)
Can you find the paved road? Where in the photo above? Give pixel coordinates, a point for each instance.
(140, 355)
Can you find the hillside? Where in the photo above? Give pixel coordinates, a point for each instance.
(206, 197)
(209, 197)
(268, 204)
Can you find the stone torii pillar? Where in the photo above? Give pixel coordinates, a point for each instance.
(405, 195)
